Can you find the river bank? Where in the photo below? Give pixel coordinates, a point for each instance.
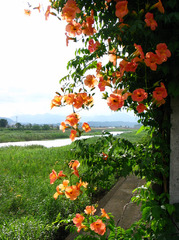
(51, 143)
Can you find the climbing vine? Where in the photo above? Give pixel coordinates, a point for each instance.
(129, 57)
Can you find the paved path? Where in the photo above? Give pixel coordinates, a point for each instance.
(118, 202)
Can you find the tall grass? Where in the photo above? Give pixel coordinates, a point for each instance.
(26, 196)
(27, 206)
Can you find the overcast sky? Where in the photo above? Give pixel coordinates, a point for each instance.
(33, 57)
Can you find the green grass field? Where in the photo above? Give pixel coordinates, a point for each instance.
(15, 135)
(26, 196)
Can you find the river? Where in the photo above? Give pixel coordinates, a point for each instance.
(49, 143)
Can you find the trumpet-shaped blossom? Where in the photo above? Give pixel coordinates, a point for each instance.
(93, 45)
(98, 227)
(121, 9)
(68, 99)
(74, 164)
(90, 210)
(56, 101)
(27, 12)
(159, 6)
(102, 84)
(58, 192)
(47, 13)
(63, 126)
(73, 28)
(139, 51)
(115, 101)
(139, 95)
(78, 101)
(70, 10)
(90, 81)
(160, 93)
(113, 56)
(72, 192)
(54, 176)
(141, 107)
(104, 214)
(105, 156)
(72, 119)
(73, 134)
(151, 60)
(78, 220)
(86, 127)
(163, 52)
(87, 27)
(150, 21)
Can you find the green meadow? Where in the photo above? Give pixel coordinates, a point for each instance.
(28, 209)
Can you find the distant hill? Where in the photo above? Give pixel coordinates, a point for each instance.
(115, 119)
(114, 124)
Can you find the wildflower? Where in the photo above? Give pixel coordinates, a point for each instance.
(86, 127)
(159, 6)
(27, 12)
(64, 185)
(70, 10)
(54, 176)
(113, 56)
(74, 164)
(131, 66)
(102, 84)
(68, 38)
(58, 192)
(88, 101)
(160, 93)
(47, 13)
(115, 101)
(63, 126)
(78, 220)
(98, 227)
(104, 214)
(73, 134)
(139, 52)
(78, 101)
(93, 45)
(90, 210)
(163, 52)
(151, 60)
(87, 27)
(121, 9)
(72, 192)
(90, 81)
(150, 21)
(56, 101)
(98, 69)
(84, 184)
(72, 119)
(73, 28)
(105, 156)
(139, 95)
(141, 107)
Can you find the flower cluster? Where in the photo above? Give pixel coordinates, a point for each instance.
(118, 93)
(78, 100)
(70, 191)
(91, 222)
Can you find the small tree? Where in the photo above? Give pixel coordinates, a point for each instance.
(3, 123)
